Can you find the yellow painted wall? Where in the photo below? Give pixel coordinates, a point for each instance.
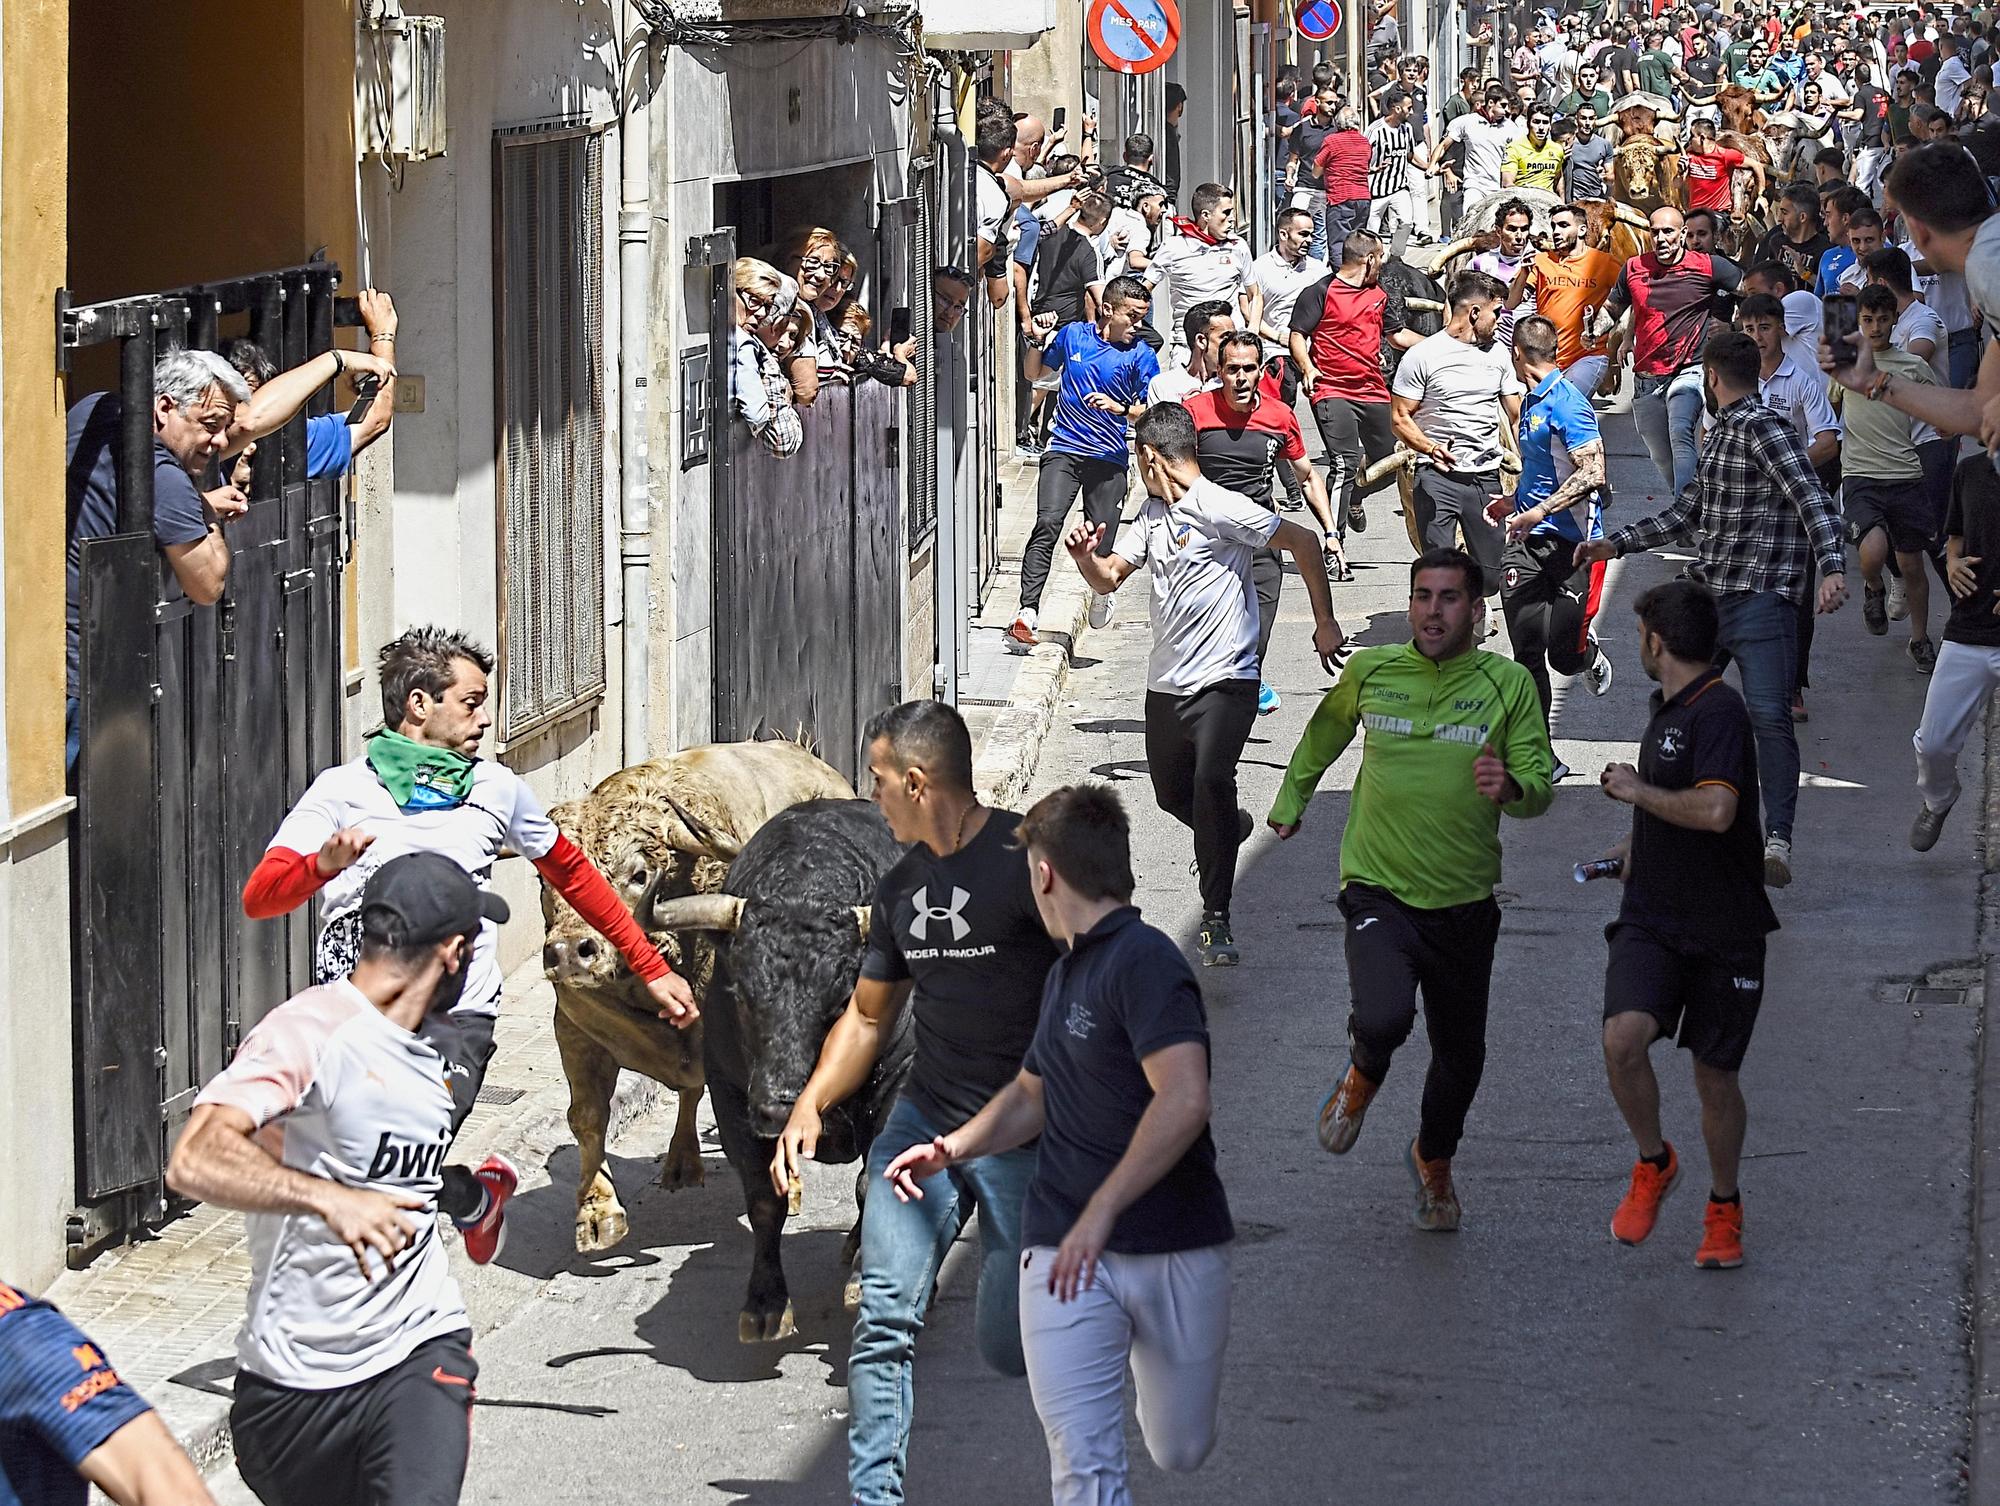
(33, 160)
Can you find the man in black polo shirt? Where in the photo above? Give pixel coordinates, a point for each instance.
(1125, 1260)
(1241, 432)
(1968, 665)
(1687, 949)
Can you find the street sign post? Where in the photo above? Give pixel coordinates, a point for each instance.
(1133, 36)
(1318, 20)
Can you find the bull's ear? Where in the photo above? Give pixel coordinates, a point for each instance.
(702, 838)
(862, 915)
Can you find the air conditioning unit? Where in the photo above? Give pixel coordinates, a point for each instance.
(399, 86)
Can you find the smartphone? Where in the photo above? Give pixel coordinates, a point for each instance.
(365, 388)
(1842, 316)
(899, 326)
(1057, 119)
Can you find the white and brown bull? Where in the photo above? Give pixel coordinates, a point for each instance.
(661, 830)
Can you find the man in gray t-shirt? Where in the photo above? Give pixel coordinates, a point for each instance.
(1452, 392)
(1196, 541)
(1588, 154)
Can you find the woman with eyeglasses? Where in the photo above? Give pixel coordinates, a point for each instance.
(759, 393)
(812, 255)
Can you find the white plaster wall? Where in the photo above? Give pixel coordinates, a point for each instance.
(37, 1191)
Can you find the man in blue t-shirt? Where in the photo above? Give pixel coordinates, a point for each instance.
(332, 441)
(1125, 1230)
(1105, 368)
(67, 1421)
(1556, 504)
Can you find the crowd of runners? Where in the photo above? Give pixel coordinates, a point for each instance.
(1806, 401)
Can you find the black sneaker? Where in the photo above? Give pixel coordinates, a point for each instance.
(1218, 947)
(1923, 654)
(1875, 609)
(1357, 516)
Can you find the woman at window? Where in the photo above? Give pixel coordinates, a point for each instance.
(759, 393)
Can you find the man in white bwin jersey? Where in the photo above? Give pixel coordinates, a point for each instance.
(329, 1129)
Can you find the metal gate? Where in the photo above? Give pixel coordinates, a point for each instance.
(808, 567)
(199, 727)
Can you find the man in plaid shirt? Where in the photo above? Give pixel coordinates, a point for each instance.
(1756, 515)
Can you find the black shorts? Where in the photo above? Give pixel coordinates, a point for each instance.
(400, 1438)
(1706, 1004)
(465, 1041)
(1900, 509)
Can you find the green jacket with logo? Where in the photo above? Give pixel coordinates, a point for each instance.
(1416, 826)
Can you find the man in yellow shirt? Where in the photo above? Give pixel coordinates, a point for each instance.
(1534, 160)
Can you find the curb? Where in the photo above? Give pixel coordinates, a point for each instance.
(1983, 1451)
(1003, 764)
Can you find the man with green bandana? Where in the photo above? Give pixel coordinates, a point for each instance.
(1453, 737)
(420, 786)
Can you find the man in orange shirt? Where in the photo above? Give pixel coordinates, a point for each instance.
(1565, 284)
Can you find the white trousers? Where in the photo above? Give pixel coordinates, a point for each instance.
(1167, 1316)
(1965, 676)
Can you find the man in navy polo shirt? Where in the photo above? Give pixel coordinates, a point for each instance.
(1547, 600)
(1126, 1229)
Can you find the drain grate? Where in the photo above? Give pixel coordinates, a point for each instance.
(1924, 994)
(500, 1097)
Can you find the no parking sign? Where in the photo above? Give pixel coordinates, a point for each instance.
(1318, 20)
(1133, 36)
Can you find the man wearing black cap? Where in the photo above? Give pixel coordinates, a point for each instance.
(354, 1366)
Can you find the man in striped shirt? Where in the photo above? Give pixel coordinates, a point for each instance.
(1392, 144)
(1758, 519)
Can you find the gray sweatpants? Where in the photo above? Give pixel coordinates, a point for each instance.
(1165, 1315)
(1965, 676)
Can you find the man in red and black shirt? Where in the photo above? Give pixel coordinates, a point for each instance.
(1673, 294)
(1241, 432)
(1337, 332)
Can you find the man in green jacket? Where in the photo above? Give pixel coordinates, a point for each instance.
(1453, 736)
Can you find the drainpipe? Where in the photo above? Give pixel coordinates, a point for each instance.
(635, 514)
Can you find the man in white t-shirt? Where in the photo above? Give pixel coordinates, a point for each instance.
(1451, 393)
(1204, 260)
(329, 1129)
(1804, 313)
(1206, 323)
(1485, 136)
(1197, 542)
(420, 786)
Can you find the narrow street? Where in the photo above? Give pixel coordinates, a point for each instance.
(1527, 1360)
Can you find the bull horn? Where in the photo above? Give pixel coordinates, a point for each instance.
(698, 912)
(1631, 216)
(1384, 468)
(1424, 305)
(1457, 248)
(714, 844)
(862, 915)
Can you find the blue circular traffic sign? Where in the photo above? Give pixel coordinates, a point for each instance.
(1133, 36)
(1318, 20)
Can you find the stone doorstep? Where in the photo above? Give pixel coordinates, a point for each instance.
(173, 1303)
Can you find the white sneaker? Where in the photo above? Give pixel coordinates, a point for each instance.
(1778, 862)
(1103, 606)
(1899, 599)
(1598, 675)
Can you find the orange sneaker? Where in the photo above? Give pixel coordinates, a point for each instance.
(1340, 1115)
(1437, 1210)
(1640, 1208)
(1721, 1237)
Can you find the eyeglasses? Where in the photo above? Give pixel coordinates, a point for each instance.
(817, 264)
(758, 309)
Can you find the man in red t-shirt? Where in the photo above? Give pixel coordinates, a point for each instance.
(1672, 293)
(1337, 345)
(1343, 167)
(1710, 170)
(1241, 432)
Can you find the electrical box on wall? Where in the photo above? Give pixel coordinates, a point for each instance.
(398, 84)
(986, 25)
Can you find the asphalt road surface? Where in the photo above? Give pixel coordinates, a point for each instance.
(1529, 1358)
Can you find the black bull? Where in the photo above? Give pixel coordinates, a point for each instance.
(791, 955)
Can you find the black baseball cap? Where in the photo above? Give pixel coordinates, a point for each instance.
(432, 896)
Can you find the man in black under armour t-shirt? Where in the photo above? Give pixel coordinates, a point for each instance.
(955, 936)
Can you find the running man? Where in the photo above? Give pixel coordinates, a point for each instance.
(1197, 543)
(1241, 432)
(1336, 339)
(1421, 853)
(1105, 368)
(1567, 283)
(354, 1369)
(1509, 262)
(1126, 1227)
(1687, 949)
(1557, 504)
(976, 993)
(1452, 393)
(1968, 665)
(421, 786)
(67, 1422)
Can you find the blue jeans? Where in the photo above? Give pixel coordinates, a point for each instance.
(1314, 205)
(1666, 409)
(1760, 631)
(1963, 353)
(902, 1247)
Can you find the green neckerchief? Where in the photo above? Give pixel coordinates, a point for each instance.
(417, 776)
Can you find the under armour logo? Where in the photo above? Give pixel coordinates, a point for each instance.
(928, 912)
